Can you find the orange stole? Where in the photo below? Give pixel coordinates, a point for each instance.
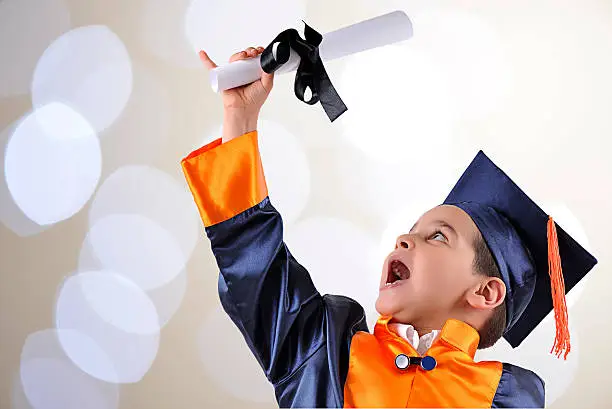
(457, 381)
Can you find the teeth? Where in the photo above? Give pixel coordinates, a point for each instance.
(397, 270)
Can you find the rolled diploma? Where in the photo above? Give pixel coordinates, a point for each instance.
(375, 32)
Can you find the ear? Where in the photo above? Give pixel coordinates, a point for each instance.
(489, 293)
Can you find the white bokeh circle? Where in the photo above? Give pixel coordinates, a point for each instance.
(143, 131)
(49, 380)
(341, 258)
(18, 398)
(135, 263)
(401, 117)
(101, 306)
(154, 195)
(286, 168)
(383, 189)
(470, 55)
(162, 32)
(169, 298)
(89, 69)
(53, 163)
(10, 214)
(204, 20)
(136, 247)
(24, 35)
(129, 309)
(229, 362)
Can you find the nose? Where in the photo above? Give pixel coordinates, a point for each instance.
(404, 241)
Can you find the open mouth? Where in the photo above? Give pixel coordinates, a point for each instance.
(397, 273)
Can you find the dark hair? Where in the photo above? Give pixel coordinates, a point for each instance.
(484, 264)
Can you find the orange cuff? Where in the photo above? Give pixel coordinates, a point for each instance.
(225, 179)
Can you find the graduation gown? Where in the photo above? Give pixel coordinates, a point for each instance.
(316, 349)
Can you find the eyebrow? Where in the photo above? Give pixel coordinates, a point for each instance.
(440, 223)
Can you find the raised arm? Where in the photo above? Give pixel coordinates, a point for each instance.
(266, 292)
(300, 339)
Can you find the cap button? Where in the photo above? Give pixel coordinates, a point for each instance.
(402, 361)
(428, 363)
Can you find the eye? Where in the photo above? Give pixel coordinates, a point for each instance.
(438, 235)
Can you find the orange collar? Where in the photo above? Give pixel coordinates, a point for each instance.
(456, 333)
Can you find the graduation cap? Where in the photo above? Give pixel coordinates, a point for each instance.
(537, 259)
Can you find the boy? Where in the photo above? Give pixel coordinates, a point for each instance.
(469, 271)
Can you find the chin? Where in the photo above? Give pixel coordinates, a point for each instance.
(391, 306)
(386, 306)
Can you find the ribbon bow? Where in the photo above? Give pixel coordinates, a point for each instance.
(310, 72)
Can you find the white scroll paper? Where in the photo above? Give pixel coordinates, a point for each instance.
(376, 32)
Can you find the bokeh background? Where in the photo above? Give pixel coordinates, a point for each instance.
(107, 281)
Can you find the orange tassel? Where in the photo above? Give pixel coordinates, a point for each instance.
(557, 286)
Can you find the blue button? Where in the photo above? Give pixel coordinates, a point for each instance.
(428, 363)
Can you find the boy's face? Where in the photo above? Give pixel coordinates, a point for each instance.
(431, 269)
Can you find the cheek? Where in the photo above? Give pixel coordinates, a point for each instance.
(429, 267)
(436, 273)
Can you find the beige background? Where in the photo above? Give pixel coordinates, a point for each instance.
(526, 81)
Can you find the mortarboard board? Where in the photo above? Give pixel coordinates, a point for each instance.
(538, 261)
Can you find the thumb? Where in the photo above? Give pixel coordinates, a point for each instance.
(267, 80)
(208, 63)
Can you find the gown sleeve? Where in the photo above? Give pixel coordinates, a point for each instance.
(268, 295)
(519, 388)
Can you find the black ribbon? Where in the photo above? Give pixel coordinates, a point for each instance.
(310, 73)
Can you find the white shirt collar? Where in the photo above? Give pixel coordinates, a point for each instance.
(407, 331)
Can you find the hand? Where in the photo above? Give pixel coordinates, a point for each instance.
(247, 98)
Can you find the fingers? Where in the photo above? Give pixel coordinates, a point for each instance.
(238, 56)
(250, 52)
(208, 63)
